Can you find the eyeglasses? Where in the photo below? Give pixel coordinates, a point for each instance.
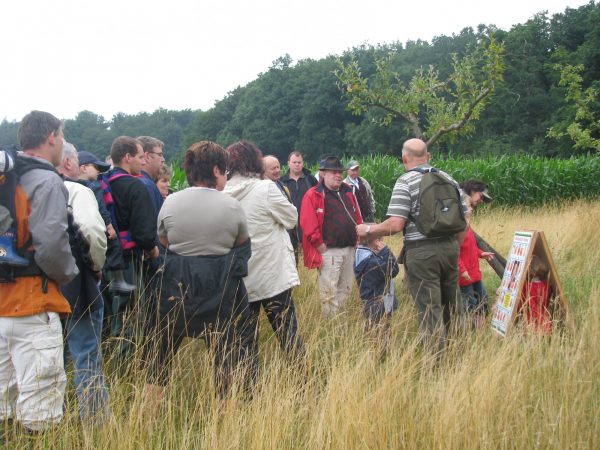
(158, 153)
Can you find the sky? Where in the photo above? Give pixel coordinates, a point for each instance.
(110, 56)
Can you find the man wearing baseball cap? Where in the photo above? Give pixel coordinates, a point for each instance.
(328, 218)
(90, 167)
(362, 191)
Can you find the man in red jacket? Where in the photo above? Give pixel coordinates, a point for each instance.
(472, 290)
(328, 217)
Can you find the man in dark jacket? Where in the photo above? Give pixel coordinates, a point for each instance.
(90, 168)
(298, 181)
(135, 222)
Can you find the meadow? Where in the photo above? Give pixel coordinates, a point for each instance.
(523, 391)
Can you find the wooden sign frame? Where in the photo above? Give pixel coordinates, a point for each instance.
(508, 300)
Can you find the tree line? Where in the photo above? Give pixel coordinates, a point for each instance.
(301, 105)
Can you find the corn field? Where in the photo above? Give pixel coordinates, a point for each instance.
(513, 180)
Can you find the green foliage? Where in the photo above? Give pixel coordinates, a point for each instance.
(8, 133)
(584, 128)
(430, 107)
(513, 180)
(530, 180)
(523, 180)
(297, 105)
(178, 179)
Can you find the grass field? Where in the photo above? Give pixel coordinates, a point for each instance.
(524, 391)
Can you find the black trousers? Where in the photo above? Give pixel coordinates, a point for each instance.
(229, 336)
(281, 313)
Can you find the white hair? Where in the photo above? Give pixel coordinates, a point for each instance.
(69, 151)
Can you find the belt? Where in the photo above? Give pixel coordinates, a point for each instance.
(425, 242)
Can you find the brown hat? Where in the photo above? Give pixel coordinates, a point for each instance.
(331, 163)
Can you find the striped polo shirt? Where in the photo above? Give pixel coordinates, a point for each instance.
(405, 201)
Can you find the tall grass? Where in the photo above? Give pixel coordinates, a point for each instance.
(523, 391)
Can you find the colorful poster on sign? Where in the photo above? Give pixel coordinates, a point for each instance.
(509, 290)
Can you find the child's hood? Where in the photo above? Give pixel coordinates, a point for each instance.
(364, 255)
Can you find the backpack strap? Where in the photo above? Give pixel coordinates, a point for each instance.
(15, 200)
(125, 236)
(423, 171)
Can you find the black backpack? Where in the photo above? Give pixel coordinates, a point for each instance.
(440, 208)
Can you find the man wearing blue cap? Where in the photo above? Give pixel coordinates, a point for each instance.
(90, 167)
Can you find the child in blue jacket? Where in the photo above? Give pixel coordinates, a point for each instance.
(374, 268)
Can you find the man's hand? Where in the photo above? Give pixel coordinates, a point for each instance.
(389, 226)
(322, 248)
(488, 256)
(361, 230)
(465, 275)
(110, 231)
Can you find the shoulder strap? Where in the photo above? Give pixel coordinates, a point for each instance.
(116, 176)
(423, 171)
(125, 237)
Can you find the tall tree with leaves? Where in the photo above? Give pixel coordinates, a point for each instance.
(584, 128)
(431, 108)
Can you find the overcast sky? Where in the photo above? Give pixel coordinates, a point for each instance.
(109, 56)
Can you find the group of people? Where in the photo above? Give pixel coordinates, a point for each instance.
(111, 242)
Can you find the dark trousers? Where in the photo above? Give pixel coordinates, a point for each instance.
(475, 298)
(128, 314)
(282, 316)
(432, 271)
(229, 336)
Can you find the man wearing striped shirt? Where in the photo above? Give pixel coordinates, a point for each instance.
(431, 264)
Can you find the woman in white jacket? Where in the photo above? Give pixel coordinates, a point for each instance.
(272, 269)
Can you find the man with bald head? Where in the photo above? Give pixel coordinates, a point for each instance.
(273, 173)
(431, 264)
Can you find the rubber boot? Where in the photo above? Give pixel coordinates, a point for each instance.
(118, 285)
(8, 254)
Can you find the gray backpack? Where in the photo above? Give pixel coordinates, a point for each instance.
(440, 208)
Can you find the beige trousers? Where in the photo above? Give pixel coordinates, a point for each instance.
(336, 277)
(32, 375)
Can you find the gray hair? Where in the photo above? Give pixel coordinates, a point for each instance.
(149, 143)
(69, 151)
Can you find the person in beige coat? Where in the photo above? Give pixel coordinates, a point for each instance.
(272, 268)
